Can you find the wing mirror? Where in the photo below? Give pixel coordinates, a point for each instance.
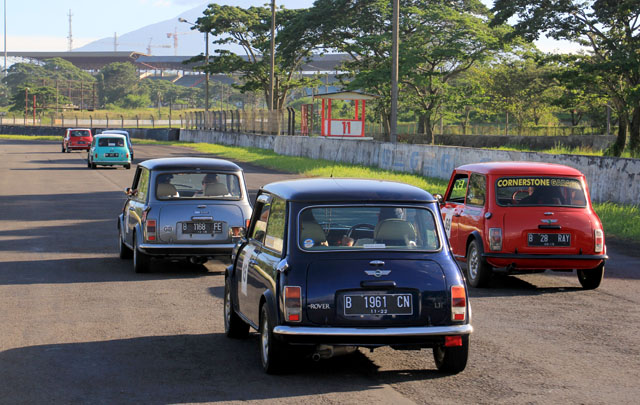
(439, 198)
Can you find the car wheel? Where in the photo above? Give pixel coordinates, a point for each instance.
(590, 279)
(88, 164)
(234, 326)
(140, 259)
(127, 166)
(63, 151)
(478, 270)
(271, 351)
(452, 360)
(124, 250)
(93, 165)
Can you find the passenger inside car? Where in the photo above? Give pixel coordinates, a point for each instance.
(211, 186)
(311, 233)
(164, 188)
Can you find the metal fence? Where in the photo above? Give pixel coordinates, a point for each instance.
(280, 122)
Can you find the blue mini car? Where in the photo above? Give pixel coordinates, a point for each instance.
(109, 150)
(330, 265)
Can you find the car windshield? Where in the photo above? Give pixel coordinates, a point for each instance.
(540, 191)
(111, 142)
(79, 133)
(367, 227)
(189, 185)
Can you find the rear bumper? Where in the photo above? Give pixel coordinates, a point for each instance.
(111, 162)
(540, 261)
(78, 147)
(422, 335)
(172, 250)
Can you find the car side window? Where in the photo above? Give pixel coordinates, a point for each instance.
(477, 189)
(275, 225)
(459, 189)
(260, 226)
(142, 186)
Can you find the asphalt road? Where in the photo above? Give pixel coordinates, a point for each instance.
(77, 325)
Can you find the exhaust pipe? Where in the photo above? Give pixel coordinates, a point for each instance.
(328, 351)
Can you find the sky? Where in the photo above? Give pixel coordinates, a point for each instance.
(43, 25)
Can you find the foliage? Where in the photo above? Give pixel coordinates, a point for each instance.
(116, 80)
(45, 98)
(51, 71)
(131, 101)
(610, 28)
(250, 30)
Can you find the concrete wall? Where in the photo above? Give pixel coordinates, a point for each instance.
(610, 179)
(159, 134)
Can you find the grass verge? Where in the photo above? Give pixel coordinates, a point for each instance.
(621, 222)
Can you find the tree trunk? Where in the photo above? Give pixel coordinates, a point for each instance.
(617, 147)
(634, 132)
(422, 129)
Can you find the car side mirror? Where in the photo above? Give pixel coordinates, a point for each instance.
(439, 198)
(129, 191)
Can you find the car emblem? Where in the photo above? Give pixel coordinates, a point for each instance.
(377, 273)
(167, 228)
(549, 221)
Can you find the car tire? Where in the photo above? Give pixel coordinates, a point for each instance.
(590, 279)
(63, 151)
(88, 164)
(234, 326)
(124, 251)
(452, 360)
(140, 259)
(127, 166)
(271, 351)
(93, 165)
(478, 271)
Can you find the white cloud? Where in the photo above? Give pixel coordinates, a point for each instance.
(42, 43)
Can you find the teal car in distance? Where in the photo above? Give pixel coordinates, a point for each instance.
(109, 150)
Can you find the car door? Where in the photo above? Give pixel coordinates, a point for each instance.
(472, 214)
(136, 204)
(452, 209)
(248, 266)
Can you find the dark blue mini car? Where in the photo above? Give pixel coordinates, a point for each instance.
(330, 265)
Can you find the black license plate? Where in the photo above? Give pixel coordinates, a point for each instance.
(549, 239)
(378, 304)
(202, 227)
(111, 155)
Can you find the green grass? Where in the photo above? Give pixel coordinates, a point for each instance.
(561, 150)
(620, 221)
(32, 137)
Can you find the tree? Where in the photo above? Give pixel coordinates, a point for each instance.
(117, 80)
(51, 71)
(611, 29)
(249, 29)
(45, 98)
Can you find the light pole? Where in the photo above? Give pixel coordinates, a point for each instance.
(5, 37)
(273, 52)
(206, 64)
(393, 125)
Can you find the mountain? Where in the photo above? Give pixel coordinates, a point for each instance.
(161, 36)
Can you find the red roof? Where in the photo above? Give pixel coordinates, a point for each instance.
(521, 168)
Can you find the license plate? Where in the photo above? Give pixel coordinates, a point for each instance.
(378, 304)
(111, 155)
(549, 239)
(82, 143)
(202, 227)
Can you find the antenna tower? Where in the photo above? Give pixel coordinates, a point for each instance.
(70, 34)
(115, 42)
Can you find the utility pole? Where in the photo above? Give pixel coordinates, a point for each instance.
(5, 38)
(115, 42)
(70, 32)
(206, 72)
(393, 125)
(273, 52)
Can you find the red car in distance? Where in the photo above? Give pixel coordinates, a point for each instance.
(76, 139)
(523, 217)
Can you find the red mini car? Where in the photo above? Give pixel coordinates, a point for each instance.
(523, 217)
(76, 139)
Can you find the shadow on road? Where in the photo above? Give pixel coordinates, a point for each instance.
(171, 369)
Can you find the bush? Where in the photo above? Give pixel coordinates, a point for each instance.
(132, 101)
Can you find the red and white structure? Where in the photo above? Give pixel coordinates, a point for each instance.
(341, 127)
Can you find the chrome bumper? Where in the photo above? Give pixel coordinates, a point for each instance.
(374, 332)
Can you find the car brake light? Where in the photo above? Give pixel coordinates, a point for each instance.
(458, 303)
(599, 240)
(495, 238)
(452, 341)
(150, 228)
(292, 304)
(96, 155)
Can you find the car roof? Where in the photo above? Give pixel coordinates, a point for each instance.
(341, 189)
(111, 136)
(521, 168)
(114, 131)
(78, 129)
(190, 163)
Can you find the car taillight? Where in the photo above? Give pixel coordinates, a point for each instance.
(149, 226)
(599, 240)
(452, 341)
(458, 303)
(495, 238)
(96, 155)
(292, 304)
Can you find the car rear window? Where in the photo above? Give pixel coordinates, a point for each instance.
(198, 185)
(540, 191)
(111, 142)
(367, 227)
(79, 133)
